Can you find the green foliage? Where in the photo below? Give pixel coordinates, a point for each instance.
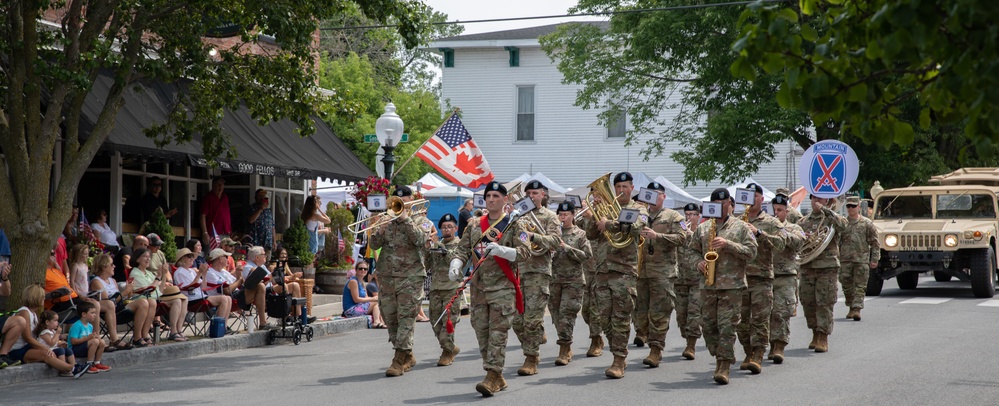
(340, 218)
(161, 226)
(296, 240)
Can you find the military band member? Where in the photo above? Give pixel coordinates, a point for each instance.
(758, 298)
(688, 283)
(442, 288)
(568, 283)
(818, 276)
(401, 275)
(657, 275)
(793, 215)
(722, 301)
(535, 273)
(616, 276)
(495, 286)
(590, 315)
(860, 252)
(785, 281)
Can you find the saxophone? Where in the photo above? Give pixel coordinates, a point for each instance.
(711, 256)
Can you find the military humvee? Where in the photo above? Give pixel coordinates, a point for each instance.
(948, 228)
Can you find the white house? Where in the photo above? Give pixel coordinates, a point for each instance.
(522, 117)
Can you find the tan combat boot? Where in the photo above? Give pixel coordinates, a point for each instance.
(756, 361)
(815, 340)
(616, 369)
(564, 355)
(408, 361)
(596, 347)
(778, 352)
(849, 314)
(490, 385)
(749, 357)
(856, 314)
(721, 373)
(773, 347)
(447, 357)
(655, 355)
(530, 366)
(500, 381)
(822, 345)
(396, 368)
(688, 352)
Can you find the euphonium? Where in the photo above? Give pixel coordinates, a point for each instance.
(607, 208)
(711, 256)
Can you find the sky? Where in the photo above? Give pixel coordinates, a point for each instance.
(464, 10)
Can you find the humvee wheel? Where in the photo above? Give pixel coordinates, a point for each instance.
(907, 280)
(941, 276)
(874, 283)
(983, 273)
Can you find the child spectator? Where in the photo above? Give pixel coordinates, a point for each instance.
(27, 348)
(85, 342)
(47, 333)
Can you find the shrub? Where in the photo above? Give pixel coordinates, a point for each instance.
(340, 218)
(296, 240)
(159, 224)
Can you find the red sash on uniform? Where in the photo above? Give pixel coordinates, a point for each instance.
(505, 266)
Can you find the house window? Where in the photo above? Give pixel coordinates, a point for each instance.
(616, 125)
(525, 113)
(448, 57)
(514, 56)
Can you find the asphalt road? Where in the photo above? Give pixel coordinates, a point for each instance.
(935, 345)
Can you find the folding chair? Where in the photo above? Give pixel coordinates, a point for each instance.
(194, 308)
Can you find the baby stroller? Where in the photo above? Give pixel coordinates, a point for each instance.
(281, 306)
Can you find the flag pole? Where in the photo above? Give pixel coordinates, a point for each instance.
(397, 171)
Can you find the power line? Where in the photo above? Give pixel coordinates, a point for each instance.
(599, 13)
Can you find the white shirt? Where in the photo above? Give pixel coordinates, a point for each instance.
(105, 234)
(183, 277)
(250, 266)
(32, 323)
(218, 277)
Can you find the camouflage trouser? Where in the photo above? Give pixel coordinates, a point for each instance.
(784, 303)
(614, 298)
(757, 302)
(653, 308)
(818, 296)
(491, 315)
(688, 310)
(853, 276)
(564, 304)
(438, 300)
(530, 326)
(589, 310)
(720, 312)
(399, 300)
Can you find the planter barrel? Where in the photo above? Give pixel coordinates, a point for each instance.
(331, 281)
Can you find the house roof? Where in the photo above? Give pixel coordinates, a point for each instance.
(520, 33)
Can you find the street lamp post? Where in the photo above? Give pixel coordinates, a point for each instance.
(389, 128)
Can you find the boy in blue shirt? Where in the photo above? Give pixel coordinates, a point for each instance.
(85, 342)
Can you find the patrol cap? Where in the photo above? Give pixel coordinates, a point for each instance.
(756, 187)
(784, 191)
(720, 194)
(780, 199)
(623, 177)
(446, 218)
(403, 191)
(853, 200)
(535, 184)
(566, 206)
(494, 186)
(657, 186)
(692, 207)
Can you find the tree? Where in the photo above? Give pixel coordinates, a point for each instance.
(46, 72)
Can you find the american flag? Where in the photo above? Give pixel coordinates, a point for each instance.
(453, 153)
(86, 232)
(339, 241)
(215, 242)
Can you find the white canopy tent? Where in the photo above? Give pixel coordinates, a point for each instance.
(431, 181)
(679, 196)
(552, 186)
(767, 194)
(449, 191)
(336, 192)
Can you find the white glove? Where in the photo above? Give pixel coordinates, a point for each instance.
(454, 274)
(496, 250)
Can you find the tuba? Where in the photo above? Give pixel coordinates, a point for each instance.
(711, 256)
(607, 208)
(817, 242)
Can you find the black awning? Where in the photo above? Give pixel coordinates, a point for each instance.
(274, 149)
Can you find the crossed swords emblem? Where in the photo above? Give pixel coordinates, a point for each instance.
(827, 178)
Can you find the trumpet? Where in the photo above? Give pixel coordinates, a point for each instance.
(711, 256)
(396, 207)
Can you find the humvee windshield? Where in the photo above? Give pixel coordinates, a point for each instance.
(907, 207)
(948, 206)
(965, 206)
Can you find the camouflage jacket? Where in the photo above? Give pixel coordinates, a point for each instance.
(438, 265)
(829, 258)
(489, 277)
(859, 243)
(620, 260)
(659, 253)
(688, 259)
(793, 215)
(402, 243)
(785, 262)
(730, 268)
(771, 243)
(547, 240)
(567, 266)
(599, 251)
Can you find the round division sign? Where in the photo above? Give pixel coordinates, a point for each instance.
(828, 169)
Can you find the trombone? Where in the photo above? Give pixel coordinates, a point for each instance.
(396, 207)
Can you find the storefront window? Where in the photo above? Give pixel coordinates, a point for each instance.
(280, 183)
(297, 201)
(178, 195)
(267, 181)
(131, 194)
(158, 168)
(280, 207)
(98, 187)
(297, 184)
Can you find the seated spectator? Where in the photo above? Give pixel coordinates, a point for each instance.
(289, 279)
(60, 295)
(10, 327)
(219, 276)
(199, 257)
(72, 228)
(27, 349)
(110, 297)
(104, 233)
(85, 342)
(148, 283)
(157, 259)
(123, 259)
(185, 277)
(255, 292)
(48, 332)
(79, 273)
(356, 302)
(372, 285)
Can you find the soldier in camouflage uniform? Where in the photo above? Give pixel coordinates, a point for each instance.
(590, 316)
(568, 283)
(657, 275)
(860, 252)
(721, 302)
(535, 273)
(688, 283)
(793, 215)
(495, 286)
(785, 281)
(442, 288)
(818, 277)
(400, 276)
(616, 276)
(758, 298)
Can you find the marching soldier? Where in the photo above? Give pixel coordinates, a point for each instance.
(442, 288)
(568, 283)
(535, 274)
(495, 285)
(721, 301)
(758, 298)
(793, 215)
(400, 276)
(688, 283)
(615, 284)
(860, 252)
(657, 275)
(590, 315)
(818, 277)
(785, 281)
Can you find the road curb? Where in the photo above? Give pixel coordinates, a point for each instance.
(174, 351)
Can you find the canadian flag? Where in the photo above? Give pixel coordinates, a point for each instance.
(453, 153)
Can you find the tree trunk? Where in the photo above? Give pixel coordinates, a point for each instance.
(29, 256)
